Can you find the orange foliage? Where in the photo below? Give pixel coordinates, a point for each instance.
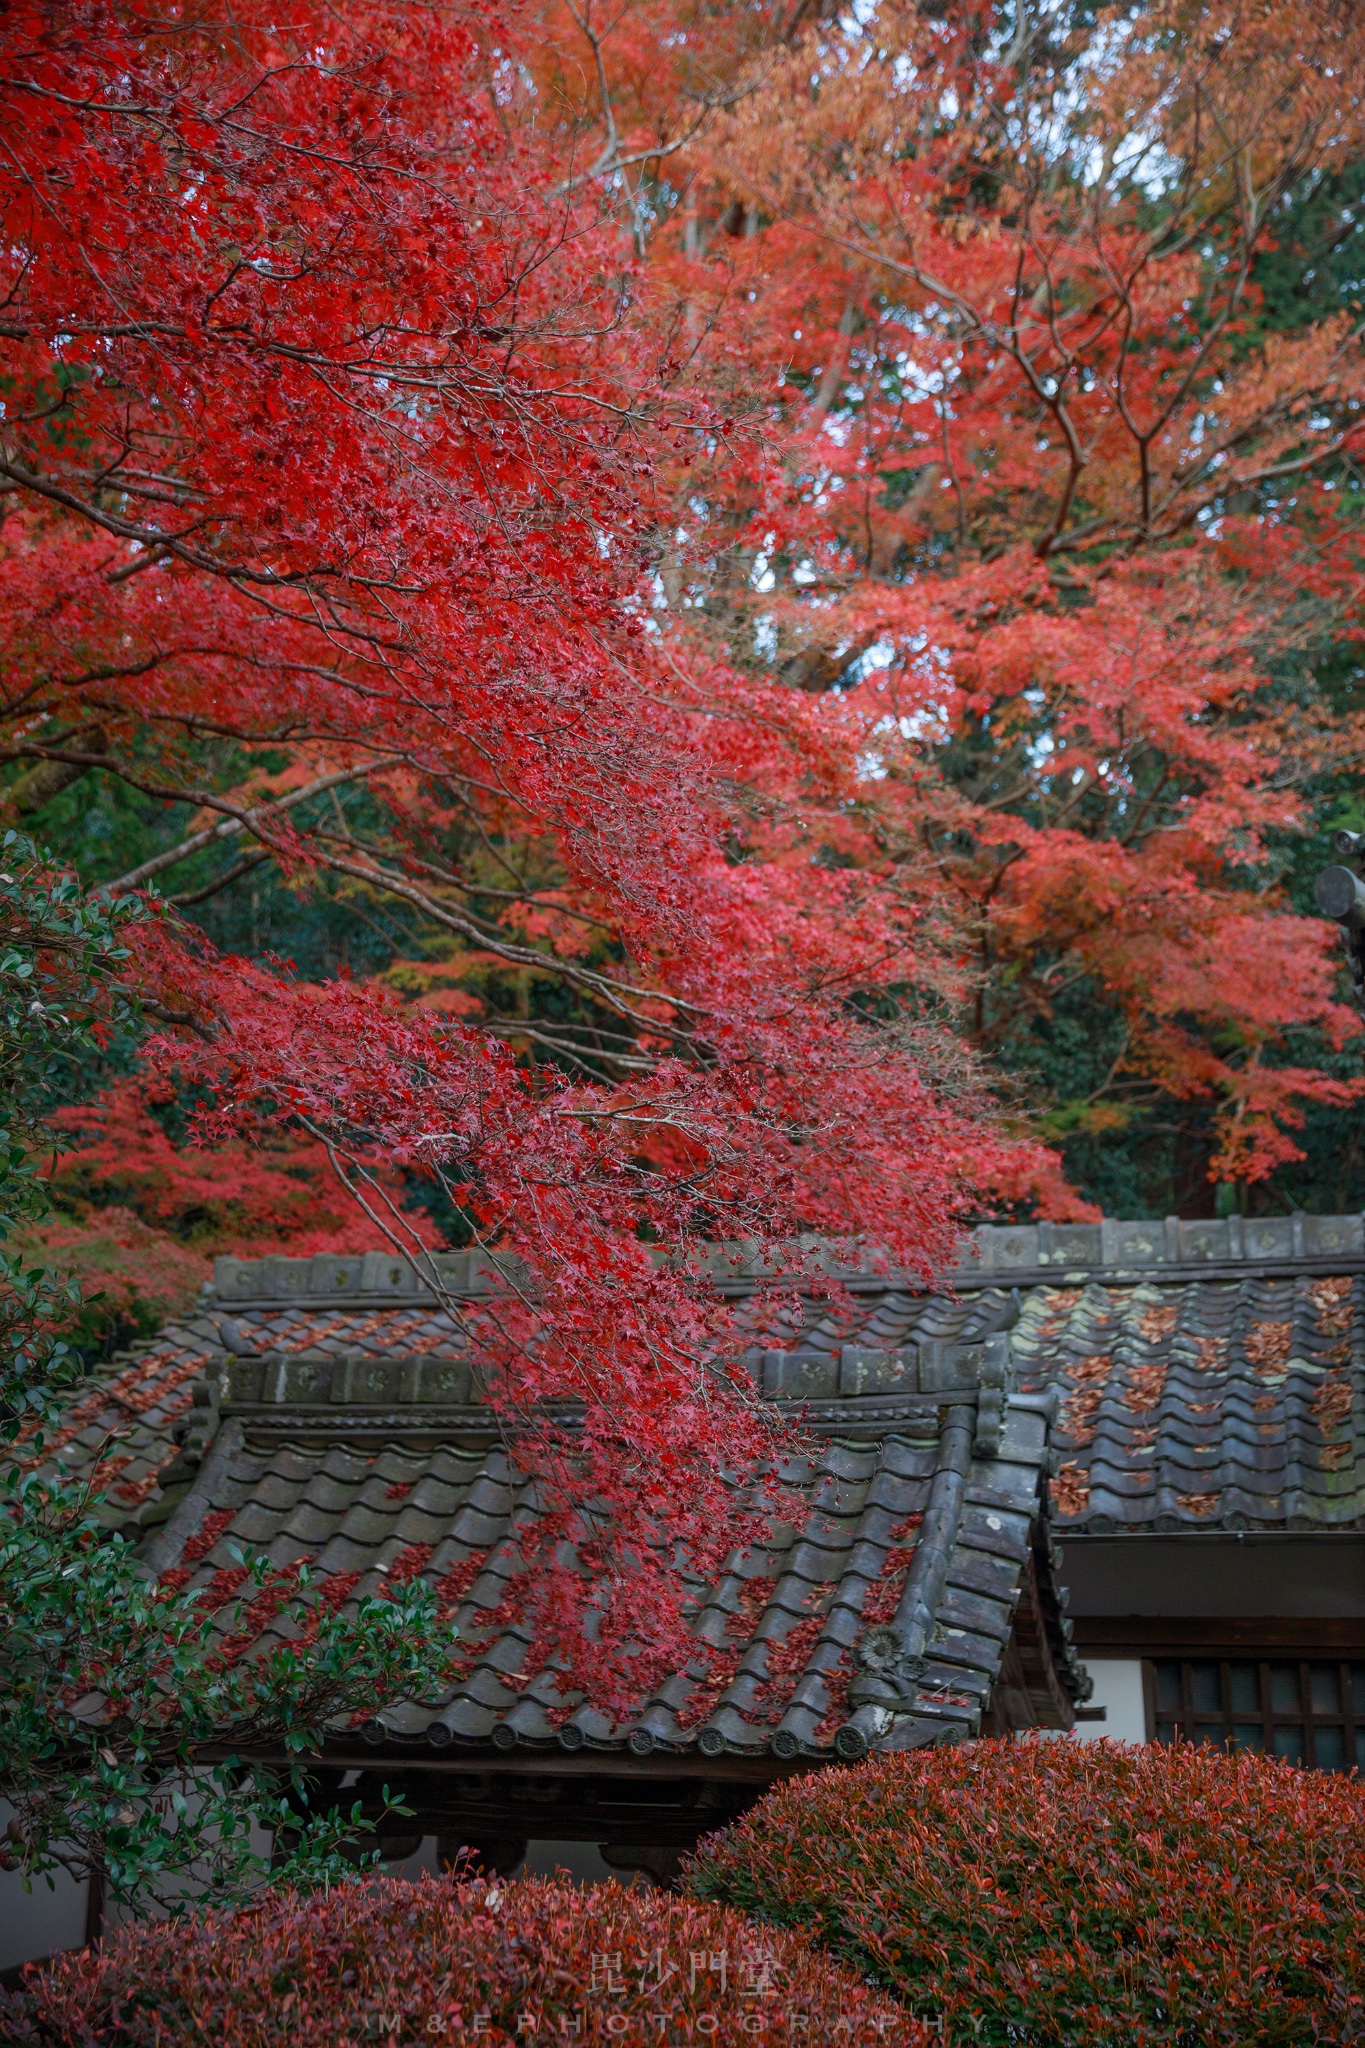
(1022, 481)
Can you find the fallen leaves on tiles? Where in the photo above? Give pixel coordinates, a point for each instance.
(1057, 1311)
(1144, 1387)
(1332, 1403)
(1332, 1301)
(1079, 1416)
(1071, 1489)
(201, 1543)
(453, 1588)
(1210, 1354)
(1080, 1410)
(1267, 1347)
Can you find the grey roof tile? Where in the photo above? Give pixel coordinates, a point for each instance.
(310, 1524)
(472, 1718)
(344, 1554)
(978, 1571)
(1189, 1398)
(364, 1524)
(813, 1582)
(963, 1610)
(255, 1524)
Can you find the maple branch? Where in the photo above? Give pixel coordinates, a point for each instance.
(1280, 408)
(951, 468)
(153, 537)
(527, 893)
(150, 558)
(937, 287)
(185, 1019)
(618, 995)
(585, 1058)
(247, 865)
(243, 821)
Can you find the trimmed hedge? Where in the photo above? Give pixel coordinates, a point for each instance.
(488, 1964)
(1031, 1893)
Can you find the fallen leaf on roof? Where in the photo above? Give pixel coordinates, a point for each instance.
(1079, 1415)
(1332, 1403)
(1332, 1300)
(1145, 1385)
(1086, 1371)
(1267, 1346)
(1071, 1490)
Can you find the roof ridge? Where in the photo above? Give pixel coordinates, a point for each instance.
(991, 1252)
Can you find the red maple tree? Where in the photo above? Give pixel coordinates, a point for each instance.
(782, 563)
(331, 430)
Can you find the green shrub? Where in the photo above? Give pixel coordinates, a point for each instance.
(486, 1965)
(1052, 1893)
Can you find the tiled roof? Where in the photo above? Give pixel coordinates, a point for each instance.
(125, 1428)
(795, 1615)
(1204, 1403)
(122, 1431)
(310, 1418)
(1201, 1376)
(1023, 1252)
(1210, 1374)
(1185, 1402)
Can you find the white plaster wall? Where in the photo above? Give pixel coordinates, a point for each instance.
(40, 1922)
(1118, 1687)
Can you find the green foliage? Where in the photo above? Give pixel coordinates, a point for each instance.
(126, 1740)
(1317, 266)
(61, 948)
(59, 998)
(107, 829)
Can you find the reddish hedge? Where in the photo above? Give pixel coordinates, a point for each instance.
(488, 1964)
(1065, 1892)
